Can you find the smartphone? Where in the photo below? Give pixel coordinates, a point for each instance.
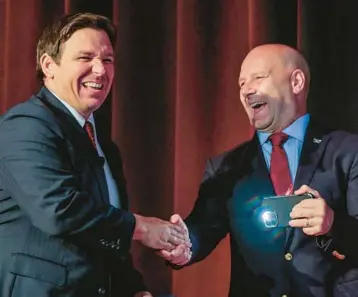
(275, 210)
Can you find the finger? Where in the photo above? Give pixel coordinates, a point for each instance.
(179, 251)
(177, 220)
(180, 236)
(179, 240)
(298, 223)
(303, 213)
(308, 205)
(178, 255)
(164, 254)
(306, 189)
(178, 224)
(303, 189)
(176, 240)
(184, 259)
(318, 203)
(174, 219)
(311, 230)
(179, 261)
(179, 229)
(166, 245)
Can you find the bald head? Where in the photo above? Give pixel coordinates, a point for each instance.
(289, 57)
(274, 82)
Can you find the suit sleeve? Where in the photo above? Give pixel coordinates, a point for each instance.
(35, 170)
(345, 225)
(208, 221)
(125, 271)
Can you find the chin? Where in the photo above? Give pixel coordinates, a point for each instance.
(95, 102)
(263, 126)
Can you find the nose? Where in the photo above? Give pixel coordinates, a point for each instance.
(248, 89)
(98, 67)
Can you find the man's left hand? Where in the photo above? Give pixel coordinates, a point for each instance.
(143, 294)
(314, 216)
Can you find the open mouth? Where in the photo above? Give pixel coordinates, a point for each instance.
(93, 85)
(257, 106)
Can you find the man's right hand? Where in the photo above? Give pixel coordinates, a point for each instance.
(181, 254)
(158, 234)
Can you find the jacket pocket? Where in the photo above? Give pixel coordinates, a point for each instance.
(38, 268)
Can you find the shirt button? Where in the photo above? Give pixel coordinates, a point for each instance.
(102, 291)
(288, 257)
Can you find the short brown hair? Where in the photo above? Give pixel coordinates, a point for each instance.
(61, 30)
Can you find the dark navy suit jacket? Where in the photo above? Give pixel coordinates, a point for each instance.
(58, 234)
(282, 261)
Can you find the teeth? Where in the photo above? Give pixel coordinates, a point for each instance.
(257, 104)
(93, 85)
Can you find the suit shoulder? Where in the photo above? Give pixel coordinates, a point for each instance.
(29, 118)
(344, 141)
(230, 157)
(339, 136)
(33, 109)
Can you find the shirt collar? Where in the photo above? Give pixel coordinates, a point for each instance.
(79, 118)
(296, 130)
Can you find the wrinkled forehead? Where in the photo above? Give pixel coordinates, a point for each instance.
(88, 40)
(260, 61)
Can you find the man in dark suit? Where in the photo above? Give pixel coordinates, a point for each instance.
(316, 256)
(65, 228)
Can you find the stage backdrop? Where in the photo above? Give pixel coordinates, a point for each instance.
(175, 99)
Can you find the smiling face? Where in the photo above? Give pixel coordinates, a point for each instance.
(268, 90)
(84, 75)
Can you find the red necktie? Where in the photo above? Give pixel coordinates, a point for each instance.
(279, 170)
(90, 132)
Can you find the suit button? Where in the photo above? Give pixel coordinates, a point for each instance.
(288, 257)
(102, 291)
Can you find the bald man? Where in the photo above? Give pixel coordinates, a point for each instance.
(317, 254)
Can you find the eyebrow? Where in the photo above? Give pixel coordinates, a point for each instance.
(264, 73)
(87, 53)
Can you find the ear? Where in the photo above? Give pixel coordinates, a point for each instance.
(47, 66)
(298, 81)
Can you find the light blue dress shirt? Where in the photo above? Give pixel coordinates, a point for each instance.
(293, 146)
(111, 184)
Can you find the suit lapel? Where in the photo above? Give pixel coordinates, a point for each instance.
(259, 164)
(253, 176)
(77, 136)
(313, 148)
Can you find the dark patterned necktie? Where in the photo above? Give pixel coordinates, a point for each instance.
(279, 169)
(90, 132)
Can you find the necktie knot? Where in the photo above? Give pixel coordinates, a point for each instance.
(278, 139)
(90, 132)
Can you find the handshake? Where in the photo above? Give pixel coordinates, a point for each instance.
(170, 239)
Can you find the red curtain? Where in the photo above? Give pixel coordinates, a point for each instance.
(175, 99)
